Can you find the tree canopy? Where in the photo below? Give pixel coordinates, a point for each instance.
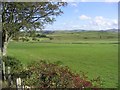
(26, 15)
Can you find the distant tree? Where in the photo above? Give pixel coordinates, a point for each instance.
(19, 16)
(32, 33)
(38, 35)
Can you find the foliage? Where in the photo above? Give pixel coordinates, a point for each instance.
(24, 39)
(15, 65)
(12, 62)
(17, 69)
(34, 38)
(49, 75)
(96, 59)
(16, 39)
(32, 33)
(42, 74)
(18, 16)
(41, 35)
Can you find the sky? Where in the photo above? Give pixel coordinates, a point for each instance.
(87, 15)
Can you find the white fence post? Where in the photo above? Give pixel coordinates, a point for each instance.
(3, 63)
(9, 76)
(18, 84)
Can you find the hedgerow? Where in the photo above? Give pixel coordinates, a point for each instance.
(42, 74)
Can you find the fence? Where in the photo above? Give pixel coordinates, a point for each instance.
(5, 72)
(7, 77)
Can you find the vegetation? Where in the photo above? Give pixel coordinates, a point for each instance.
(94, 56)
(17, 16)
(74, 37)
(42, 74)
(93, 52)
(14, 63)
(49, 75)
(97, 57)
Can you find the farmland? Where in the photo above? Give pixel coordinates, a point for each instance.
(92, 52)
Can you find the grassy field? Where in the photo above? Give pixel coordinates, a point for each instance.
(97, 57)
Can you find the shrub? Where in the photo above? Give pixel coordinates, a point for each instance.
(49, 75)
(38, 35)
(85, 37)
(41, 74)
(12, 62)
(50, 38)
(24, 39)
(16, 39)
(41, 35)
(34, 38)
(15, 65)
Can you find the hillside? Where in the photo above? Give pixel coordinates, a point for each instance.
(81, 36)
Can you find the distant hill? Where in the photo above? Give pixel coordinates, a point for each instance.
(77, 30)
(112, 30)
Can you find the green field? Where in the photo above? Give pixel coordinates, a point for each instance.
(97, 57)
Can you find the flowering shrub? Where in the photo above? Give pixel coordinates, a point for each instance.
(49, 75)
(41, 74)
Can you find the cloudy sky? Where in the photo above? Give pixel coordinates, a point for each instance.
(87, 15)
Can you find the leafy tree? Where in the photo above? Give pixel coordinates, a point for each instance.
(17, 16)
(32, 33)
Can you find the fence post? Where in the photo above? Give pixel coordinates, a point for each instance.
(3, 63)
(9, 76)
(18, 83)
(23, 85)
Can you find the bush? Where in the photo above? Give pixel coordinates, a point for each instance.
(85, 37)
(34, 38)
(12, 62)
(15, 65)
(41, 74)
(49, 75)
(43, 35)
(50, 38)
(16, 39)
(24, 39)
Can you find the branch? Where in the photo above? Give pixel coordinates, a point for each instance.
(42, 16)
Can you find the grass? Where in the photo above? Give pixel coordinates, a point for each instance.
(93, 52)
(82, 37)
(95, 58)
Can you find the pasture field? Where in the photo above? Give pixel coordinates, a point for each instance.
(95, 56)
(96, 59)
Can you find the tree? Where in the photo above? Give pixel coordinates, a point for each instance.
(17, 16)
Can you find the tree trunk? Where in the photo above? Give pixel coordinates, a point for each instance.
(5, 40)
(5, 49)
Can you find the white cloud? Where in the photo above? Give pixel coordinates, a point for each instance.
(112, 0)
(95, 23)
(84, 17)
(91, 23)
(90, 0)
(83, 0)
(115, 21)
(99, 20)
(74, 4)
(103, 23)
